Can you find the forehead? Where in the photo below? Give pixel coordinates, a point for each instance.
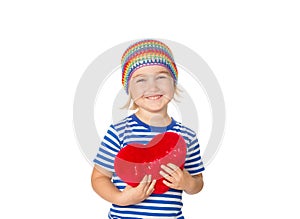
(150, 70)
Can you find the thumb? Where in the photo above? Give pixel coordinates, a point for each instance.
(127, 187)
(144, 181)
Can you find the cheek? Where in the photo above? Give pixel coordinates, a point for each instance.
(136, 91)
(167, 87)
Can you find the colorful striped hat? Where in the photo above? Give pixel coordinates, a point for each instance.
(145, 53)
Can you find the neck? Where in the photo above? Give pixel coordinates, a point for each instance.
(154, 119)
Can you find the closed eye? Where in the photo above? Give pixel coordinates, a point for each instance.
(140, 80)
(163, 75)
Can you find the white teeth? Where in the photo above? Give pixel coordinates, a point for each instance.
(154, 97)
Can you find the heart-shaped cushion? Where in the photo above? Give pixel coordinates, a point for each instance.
(134, 161)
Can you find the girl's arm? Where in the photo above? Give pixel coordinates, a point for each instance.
(194, 184)
(102, 185)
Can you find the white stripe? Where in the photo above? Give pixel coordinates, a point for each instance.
(104, 161)
(195, 168)
(153, 211)
(144, 217)
(192, 163)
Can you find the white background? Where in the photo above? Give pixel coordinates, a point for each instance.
(251, 46)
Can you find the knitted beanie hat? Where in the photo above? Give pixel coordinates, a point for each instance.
(144, 53)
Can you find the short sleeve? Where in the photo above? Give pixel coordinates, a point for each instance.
(108, 150)
(193, 163)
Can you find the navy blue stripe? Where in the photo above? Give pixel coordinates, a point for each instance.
(195, 172)
(112, 134)
(186, 138)
(149, 207)
(118, 181)
(193, 160)
(117, 217)
(109, 151)
(196, 143)
(191, 166)
(187, 133)
(121, 135)
(112, 142)
(163, 202)
(103, 164)
(120, 187)
(143, 213)
(106, 152)
(196, 153)
(136, 131)
(167, 195)
(190, 132)
(120, 125)
(104, 158)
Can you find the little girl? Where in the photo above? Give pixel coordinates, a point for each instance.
(149, 76)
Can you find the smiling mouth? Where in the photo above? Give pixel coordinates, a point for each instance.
(156, 97)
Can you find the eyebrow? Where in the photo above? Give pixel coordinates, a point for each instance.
(159, 72)
(163, 71)
(139, 75)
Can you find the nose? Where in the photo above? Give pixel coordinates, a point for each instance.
(152, 85)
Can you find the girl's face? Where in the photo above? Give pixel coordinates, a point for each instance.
(152, 88)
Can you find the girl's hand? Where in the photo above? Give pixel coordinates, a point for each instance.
(133, 195)
(175, 177)
(181, 179)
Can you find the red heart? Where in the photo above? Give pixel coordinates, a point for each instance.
(134, 161)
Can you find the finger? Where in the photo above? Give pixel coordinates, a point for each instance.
(173, 166)
(166, 176)
(148, 182)
(167, 169)
(147, 186)
(151, 187)
(172, 172)
(143, 181)
(176, 170)
(168, 184)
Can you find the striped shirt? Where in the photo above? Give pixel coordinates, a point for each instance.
(129, 130)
